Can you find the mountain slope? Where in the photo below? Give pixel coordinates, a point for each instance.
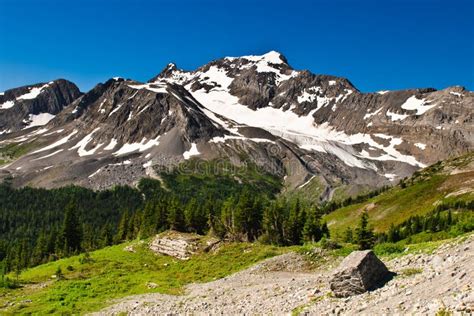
(303, 127)
(34, 105)
(446, 181)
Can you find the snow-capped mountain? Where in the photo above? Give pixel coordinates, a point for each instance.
(298, 125)
(35, 105)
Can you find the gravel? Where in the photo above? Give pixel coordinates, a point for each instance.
(425, 284)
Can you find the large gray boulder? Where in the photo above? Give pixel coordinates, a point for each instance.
(359, 272)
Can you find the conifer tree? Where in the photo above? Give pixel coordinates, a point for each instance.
(364, 235)
(71, 233)
(176, 216)
(273, 222)
(311, 230)
(123, 228)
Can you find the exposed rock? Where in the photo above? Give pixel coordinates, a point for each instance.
(151, 285)
(175, 244)
(293, 124)
(34, 105)
(359, 272)
(129, 248)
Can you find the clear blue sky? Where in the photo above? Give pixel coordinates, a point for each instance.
(378, 45)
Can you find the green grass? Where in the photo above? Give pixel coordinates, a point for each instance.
(411, 271)
(393, 206)
(115, 273)
(311, 192)
(424, 190)
(15, 150)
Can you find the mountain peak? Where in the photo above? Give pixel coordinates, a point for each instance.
(272, 57)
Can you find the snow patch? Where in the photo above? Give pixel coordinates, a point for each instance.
(111, 145)
(49, 155)
(395, 116)
(141, 146)
(193, 151)
(95, 173)
(34, 92)
(39, 119)
(390, 176)
(153, 87)
(306, 183)
(147, 164)
(81, 145)
(369, 115)
(116, 109)
(420, 145)
(414, 104)
(7, 105)
(57, 143)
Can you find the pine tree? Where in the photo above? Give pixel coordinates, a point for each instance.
(195, 218)
(148, 222)
(176, 217)
(71, 231)
(227, 225)
(106, 235)
(364, 235)
(123, 228)
(294, 224)
(348, 235)
(393, 234)
(325, 230)
(41, 250)
(273, 223)
(312, 230)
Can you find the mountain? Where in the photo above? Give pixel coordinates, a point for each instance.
(35, 105)
(310, 130)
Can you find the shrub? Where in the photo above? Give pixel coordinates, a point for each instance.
(388, 248)
(329, 244)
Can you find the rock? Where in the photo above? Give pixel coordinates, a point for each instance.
(359, 272)
(179, 245)
(129, 248)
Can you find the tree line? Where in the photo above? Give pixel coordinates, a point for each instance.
(40, 225)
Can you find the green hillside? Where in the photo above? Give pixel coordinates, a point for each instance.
(91, 282)
(447, 181)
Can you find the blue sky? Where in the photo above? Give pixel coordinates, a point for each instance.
(378, 45)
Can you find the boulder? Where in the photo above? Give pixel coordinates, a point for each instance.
(359, 272)
(175, 244)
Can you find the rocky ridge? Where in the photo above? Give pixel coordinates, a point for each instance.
(297, 125)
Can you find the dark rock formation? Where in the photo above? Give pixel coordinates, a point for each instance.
(20, 106)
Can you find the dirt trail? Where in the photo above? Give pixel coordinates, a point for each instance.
(424, 285)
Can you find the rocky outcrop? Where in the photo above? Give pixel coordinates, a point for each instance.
(359, 272)
(179, 245)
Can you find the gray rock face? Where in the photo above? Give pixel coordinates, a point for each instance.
(21, 107)
(359, 272)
